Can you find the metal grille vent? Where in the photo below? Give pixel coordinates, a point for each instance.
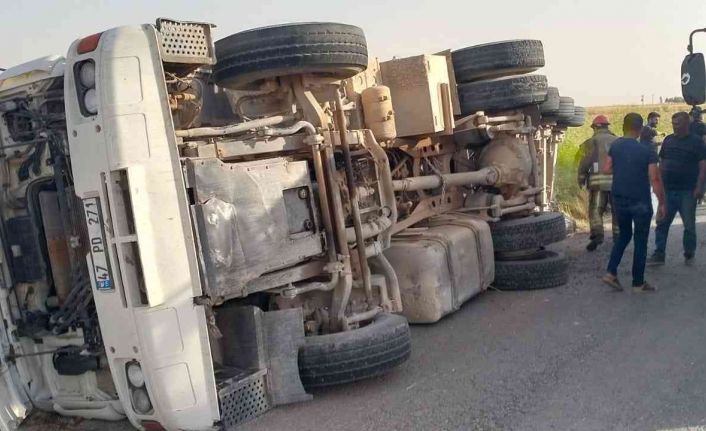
(244, 400)
(185, 42)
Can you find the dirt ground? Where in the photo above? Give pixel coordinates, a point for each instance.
(579, 357)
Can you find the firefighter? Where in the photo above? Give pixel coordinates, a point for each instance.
(593, 154)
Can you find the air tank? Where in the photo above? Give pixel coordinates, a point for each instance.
(377, 109)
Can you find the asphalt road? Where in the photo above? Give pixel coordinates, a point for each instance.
(579, 357)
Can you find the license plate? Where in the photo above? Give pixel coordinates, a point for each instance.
(96, 239)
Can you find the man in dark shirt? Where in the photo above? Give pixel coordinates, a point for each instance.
(634, 168)
(683, 167)
(649, 134)
(697, 126)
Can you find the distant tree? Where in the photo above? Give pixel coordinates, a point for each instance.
(660, 100)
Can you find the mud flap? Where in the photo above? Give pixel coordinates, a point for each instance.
(284, 333)
(260, 358)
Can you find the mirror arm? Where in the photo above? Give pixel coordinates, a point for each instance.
(691, 39)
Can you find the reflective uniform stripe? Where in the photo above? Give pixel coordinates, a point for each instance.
(600, 182)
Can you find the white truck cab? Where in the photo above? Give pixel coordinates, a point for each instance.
(31, 376)
(120, 133)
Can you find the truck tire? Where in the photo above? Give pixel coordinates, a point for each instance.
(577, 120)
(497, 59)
(526, 233)
(542, 271)
(349, 356)
(566, 109)
(551, 105)
(502, 94)
(245, 59)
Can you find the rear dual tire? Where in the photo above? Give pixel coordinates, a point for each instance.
(497, 59)
(521, 262)
(543, 270)
(531, 232)
(502, 94)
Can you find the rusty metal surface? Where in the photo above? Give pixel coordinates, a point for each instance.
(57, 244)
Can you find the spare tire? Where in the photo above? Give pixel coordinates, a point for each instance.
(354, 355)
(502, 94)
(544, 270)
(531, 232)
(245, 59)
(551, 104)
(497, 59)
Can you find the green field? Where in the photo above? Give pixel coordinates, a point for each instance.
(571, 199)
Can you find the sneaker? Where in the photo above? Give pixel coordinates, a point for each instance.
(656, 259)
(644, 288)
(612, 281)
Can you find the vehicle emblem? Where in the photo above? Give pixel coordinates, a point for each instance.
(685, 78)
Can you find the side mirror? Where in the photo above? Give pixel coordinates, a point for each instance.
(693, 79)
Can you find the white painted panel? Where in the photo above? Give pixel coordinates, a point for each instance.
(175, 388)
(121, 83)
(127, 140)
(164, 338)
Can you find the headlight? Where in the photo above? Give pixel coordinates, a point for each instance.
(141, 401)
(87, 74)
(135, 375)
(90, 101)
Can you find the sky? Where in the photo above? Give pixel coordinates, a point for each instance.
(599, 52)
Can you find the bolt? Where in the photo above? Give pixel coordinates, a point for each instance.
(303, 193)
(308, 225)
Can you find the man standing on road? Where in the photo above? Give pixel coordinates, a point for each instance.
(634, 167)
(594, 152)
(649, 134)
(683, 167)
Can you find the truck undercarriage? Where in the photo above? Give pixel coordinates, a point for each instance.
(249, 221)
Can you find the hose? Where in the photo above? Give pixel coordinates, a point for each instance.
(294, 128)
(201, 132)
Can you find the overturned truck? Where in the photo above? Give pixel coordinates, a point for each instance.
(195, 232)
